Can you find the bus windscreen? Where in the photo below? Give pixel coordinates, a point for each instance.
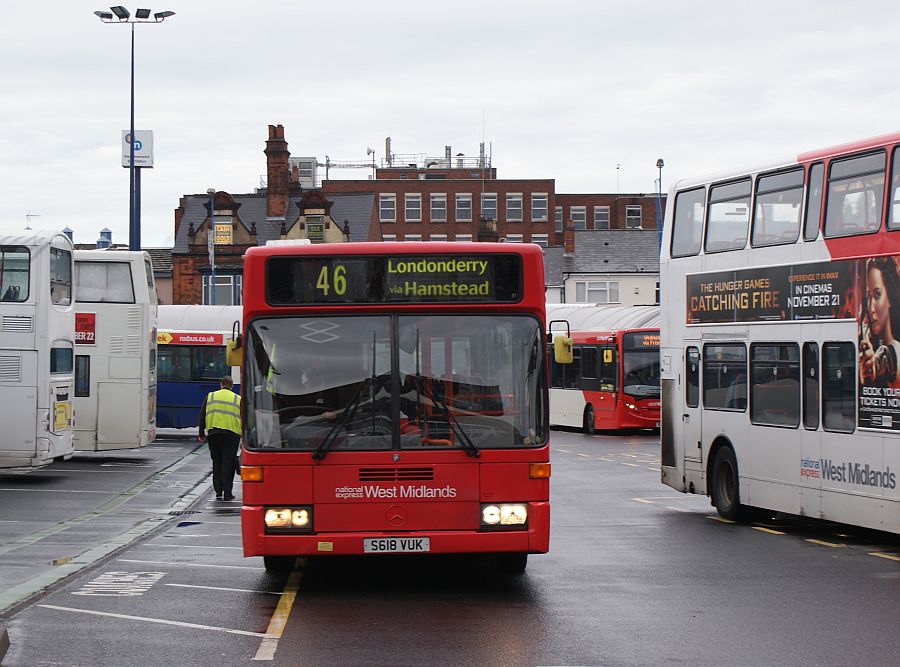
(467, 278)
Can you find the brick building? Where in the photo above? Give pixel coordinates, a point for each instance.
(409, 198)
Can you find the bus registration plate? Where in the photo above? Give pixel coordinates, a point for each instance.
(396, 545)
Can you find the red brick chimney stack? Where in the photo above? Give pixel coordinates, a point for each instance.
(278, 173)
(569, 238)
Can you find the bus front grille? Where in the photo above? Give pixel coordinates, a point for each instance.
(395, 474)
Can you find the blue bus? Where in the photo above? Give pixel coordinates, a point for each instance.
(191, 360)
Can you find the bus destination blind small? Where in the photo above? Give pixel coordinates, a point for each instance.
(640, 340)
(311, 280)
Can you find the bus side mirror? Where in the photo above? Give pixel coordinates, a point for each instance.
(562, 349)
(234, 352)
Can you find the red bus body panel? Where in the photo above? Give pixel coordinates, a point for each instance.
(396, 493)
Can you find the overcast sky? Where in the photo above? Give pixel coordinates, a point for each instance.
(556, 89)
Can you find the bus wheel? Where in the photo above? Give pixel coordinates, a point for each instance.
(512, 563)
(278, 564)
(725, 490)
(589, 420)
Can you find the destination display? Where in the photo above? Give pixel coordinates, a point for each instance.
(312, 280)
(640, 340)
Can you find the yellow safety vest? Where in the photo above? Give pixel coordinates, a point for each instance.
(223, 411)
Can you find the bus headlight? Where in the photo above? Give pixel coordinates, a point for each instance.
(288, 519)
(507, 515)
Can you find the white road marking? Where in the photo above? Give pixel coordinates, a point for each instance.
(145, 619)
(584, 455)
(677, 509)
(631, 465)
(199, 546)
(106, 493)
(222, 588)
(160, 562)
(644, 500)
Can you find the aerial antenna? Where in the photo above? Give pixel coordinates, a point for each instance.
(28, 217)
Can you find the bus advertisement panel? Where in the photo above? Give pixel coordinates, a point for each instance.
(781, 381)
(394, 401)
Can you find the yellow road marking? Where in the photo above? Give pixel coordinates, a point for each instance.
(280, 616)
(718, 518)
(888, 556)
(826, 544)
(768, 530)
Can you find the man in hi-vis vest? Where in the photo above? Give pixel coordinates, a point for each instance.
(220, 417)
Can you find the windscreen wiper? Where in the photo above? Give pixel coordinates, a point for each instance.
(342, 421)
(467, 443)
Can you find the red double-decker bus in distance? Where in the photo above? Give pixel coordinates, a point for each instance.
(395, 400)
(612, 380)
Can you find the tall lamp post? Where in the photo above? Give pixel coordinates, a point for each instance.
(659, 165)
(119, 14)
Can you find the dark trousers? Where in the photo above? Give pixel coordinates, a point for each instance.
(223, 447)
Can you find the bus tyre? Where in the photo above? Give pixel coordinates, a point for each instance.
(725, 489)
(512, 563)
(278, 564)
(589, 420)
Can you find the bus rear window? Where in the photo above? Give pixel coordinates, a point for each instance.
(14, 271)
(103, 282)
(61, 360)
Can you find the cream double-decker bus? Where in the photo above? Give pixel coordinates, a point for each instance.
(115, 350)
(37, 323)
(780, 336)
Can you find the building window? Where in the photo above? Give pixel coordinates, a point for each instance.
(388, 237)
(538, 207)
(601, 217)
(514, 238)
(513, 207)
(632, 217)
(464, 208)
(437, 237)
(542, 240)
(579, 217)
(489, 206)
(412, 237)
(387, 208)
(438, 208)
(558, 218)
(463, 238)
(597, 291)
(413, 208)
(227, 290)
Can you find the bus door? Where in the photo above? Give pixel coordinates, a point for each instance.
(691, 421)
(609, 383)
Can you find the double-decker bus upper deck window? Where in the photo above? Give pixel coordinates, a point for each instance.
(775, 384)
(103, 282)
(776, 215)
(813, 202)
(60, 276)
(729, 216)
(855, 195)
(15, 265)
(894, 199)
(462, 278)
(725, 376)
(687, 228)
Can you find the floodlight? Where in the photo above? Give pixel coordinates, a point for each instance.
(121, 13)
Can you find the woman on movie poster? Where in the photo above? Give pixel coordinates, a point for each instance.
(879, 350)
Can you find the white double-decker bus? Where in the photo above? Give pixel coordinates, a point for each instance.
(115, 350)
(37, 322)
(780, 341)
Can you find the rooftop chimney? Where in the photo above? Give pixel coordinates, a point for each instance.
(278, 173)
(569, 238)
